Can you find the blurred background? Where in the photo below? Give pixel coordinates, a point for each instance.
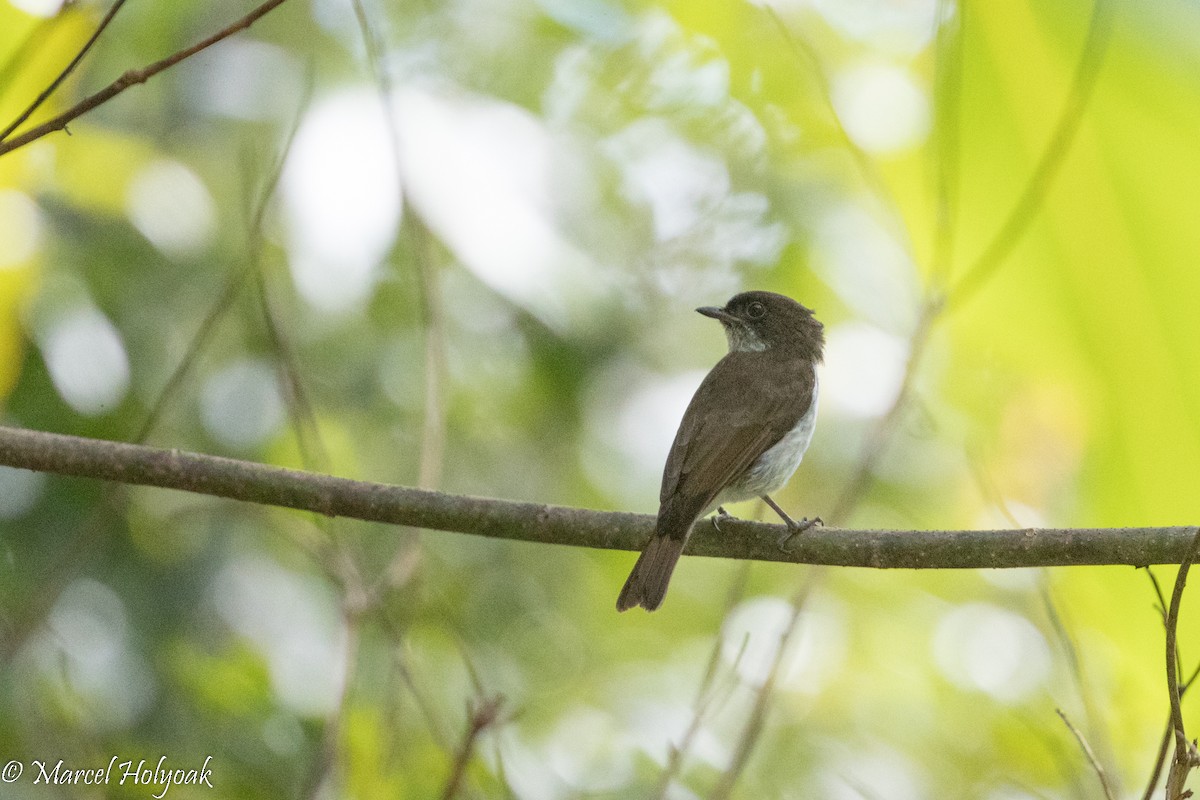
(458, 245)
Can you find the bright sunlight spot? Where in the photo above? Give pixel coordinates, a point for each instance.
(882, 108)
(342, 200)
(993, 650)
(482, 172)
(241, 404)
(38, 8)
(863, 369)
(21, 229)
(171, 207)
(293, 621)
(87, 362)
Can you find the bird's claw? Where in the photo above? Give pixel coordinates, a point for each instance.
(721, 514)
(797, 528)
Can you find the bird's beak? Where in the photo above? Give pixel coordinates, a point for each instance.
(718, 314)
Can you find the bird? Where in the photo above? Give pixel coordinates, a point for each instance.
(743, 434)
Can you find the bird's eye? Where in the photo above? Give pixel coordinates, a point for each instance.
(756, 311)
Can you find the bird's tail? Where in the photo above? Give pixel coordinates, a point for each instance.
(647, 583)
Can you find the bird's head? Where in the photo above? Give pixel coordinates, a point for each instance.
(756, 321)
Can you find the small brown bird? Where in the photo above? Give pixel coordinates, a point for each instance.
(743, 434)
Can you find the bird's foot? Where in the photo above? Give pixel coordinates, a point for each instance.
(721, 514)
(794, 529)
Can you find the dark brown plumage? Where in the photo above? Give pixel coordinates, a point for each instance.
(743, 433)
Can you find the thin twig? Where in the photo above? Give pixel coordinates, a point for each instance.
(313, 453)
(233, 284)
(762, 702)
(1185, 753)
(33, 43)
(1091, 757)
(481, 715)
(805, 53)
(407, 557)
(133, 77)
(62, 76)
(1165, 742)
(1076, 667)
(433, 425)
(1001, 246)
(877, 441)
(948, 78)
(326, 756)
(1095, 47)
(1160, 759)
(705, 695)
(1158, 592)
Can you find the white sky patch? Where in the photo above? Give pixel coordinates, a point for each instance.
(871, 771)
(815, 650)
(481, 173)
(87, 361)
(863, 368)
(20, 490)
(38, 8)
(87, 646)
(249, 79)
(632, 419)
(881, 107)
(341, 199)
(21, 229)
(171, 207)
(898, 26)
(241, 405)
(870, 271)
(587, 752)
(679, 183)
(293, 621)
(993, 650)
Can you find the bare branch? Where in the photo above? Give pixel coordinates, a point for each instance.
(706, 696)
(763, 699)
(611, 530)
(132, 78)
(937, 301)
(1185, 752)
(1091, 757)
(480, 716)
(62, 76)
(1095, 47)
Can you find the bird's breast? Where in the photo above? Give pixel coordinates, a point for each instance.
(775, 467)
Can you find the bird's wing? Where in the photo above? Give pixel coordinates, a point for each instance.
(711, 450)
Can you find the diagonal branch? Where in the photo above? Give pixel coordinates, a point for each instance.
(132, 78)
(536, 522)
(62, 76)
(1090, 754)
(1087, 71)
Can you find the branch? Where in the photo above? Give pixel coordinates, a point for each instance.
(62, 76)
(536, 522)
(1185, 752)
(1091, 756)
(132, 78)
(1087, 71)
(481, 716)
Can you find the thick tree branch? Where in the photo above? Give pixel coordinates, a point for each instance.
(535, 522)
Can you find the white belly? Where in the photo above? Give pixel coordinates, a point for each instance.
(775, 467)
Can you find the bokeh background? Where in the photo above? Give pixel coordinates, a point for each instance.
(458, 245)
